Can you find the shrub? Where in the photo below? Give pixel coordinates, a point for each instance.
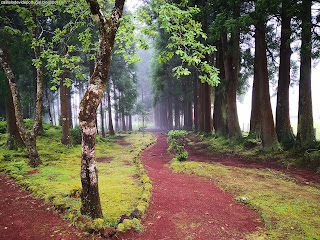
(3, 126)
(176, 139)
(76, 136)
(29, 123)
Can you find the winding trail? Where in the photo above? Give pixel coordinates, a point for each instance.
(189, 207)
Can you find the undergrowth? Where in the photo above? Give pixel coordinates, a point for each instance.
(123, 183)
(176, 139)
(252, 149)
(290, 210)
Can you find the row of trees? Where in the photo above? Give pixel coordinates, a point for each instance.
(236, 28)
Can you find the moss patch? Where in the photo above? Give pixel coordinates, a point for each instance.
(123, 184)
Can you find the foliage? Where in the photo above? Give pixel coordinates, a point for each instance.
(178, 21)
(3, 126)
(76, 136)
(123, 183)
(288, 207)
(176, 138)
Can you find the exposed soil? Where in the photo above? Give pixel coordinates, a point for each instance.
(24, 217)
(104, 159)
(35, 171)
(120, 140)
(188, 207)
(200, 153)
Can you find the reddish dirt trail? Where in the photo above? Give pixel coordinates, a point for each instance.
(188, 207)
(24, 217)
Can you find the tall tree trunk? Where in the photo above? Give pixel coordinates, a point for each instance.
(111, 130)
(116, 109)
(130, 122)
(14, 138)
(201, 108)
(268, 133)
(170, 117)
(255, 119)
(90, 198)
(29, 138)
(196, 102)
(283, 126)
(220, 109)
(102, 120)
(305, 136)
(49, 105)
(123, 116)
(70, 107)
(64, 101)
(176, 114)
(231, 66)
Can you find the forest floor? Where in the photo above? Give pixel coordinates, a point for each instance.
(182, 206)
(189, 207)
(22, 216)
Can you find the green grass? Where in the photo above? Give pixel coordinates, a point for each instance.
(290, 210)
(122, 182)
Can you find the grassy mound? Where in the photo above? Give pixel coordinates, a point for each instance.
(123, 183)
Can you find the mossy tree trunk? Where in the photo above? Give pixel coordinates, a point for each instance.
(28, 137)
(305, 136)
(255, 119)
(268, 133)
(219, 108)
(231, 51)
(64, 102)
(14, 138)
(283, 126)
(90, 199)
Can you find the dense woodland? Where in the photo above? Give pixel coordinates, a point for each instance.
(253, 39)
(77, 65)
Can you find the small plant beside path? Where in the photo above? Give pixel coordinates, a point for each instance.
(176, 139)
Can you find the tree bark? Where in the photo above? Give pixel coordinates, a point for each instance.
(196, 103)
(305, 136)
(130, 122)
(220, 109)
(88, 107)
(49, 105)
(64, 101)
(111, 130)
(283, 126)
(123, 117)
(176, 114)
(268, 133)
(14, 138)
(231, 67)
(103, 133)
(255, 119)
(170, 116)
(70, 107)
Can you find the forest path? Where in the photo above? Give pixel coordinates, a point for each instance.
(189, 207)
(24, 217)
